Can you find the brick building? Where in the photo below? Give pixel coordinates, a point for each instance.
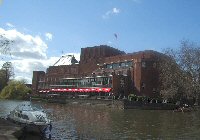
(102, 69)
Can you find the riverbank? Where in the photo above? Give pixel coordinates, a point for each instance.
(9, 131)
(12, 131)
(109, 103)
(117, 104)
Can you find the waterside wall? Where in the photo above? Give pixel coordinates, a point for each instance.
(117, 104)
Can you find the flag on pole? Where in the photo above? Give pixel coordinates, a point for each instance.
(115, 35)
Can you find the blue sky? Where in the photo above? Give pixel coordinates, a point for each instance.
(69, 25)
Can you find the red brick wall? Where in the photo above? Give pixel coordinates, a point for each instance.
(140, 76)
(91, 56)
(37, 76)
(97, 53)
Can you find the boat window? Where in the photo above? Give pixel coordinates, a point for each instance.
(36, 107)
(19, 115)
(16, 114)
(25, 117)
(29, 107)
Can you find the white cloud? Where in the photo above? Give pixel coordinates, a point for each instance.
(23, 68)
(26, 50)
(114, 11)
(28, 54)
(10, 25)
(25, 45)
(49, 36)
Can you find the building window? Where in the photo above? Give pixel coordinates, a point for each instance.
(124, 72)
(123, 64)
(119, 73)
(154, 90)
(154, 65)
(92, 79)
(143, 64)
(109, 66)
(143, 85)
(115, 65)
(129, 64)
(110, 80)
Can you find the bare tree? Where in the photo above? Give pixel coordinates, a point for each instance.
(189, 61)
(5, 44)
(3, 81)
(170, 76)
(9, 70)
(180, 71)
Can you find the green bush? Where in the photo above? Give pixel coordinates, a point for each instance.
(15, 90)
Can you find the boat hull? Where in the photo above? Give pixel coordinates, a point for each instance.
(31, 128)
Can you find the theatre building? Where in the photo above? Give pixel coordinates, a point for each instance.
(101, 71)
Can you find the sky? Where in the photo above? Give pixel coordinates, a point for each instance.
(43, 30)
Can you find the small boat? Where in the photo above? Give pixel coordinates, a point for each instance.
(31, 117)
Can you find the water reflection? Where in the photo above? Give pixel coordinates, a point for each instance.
(6, 106)
(83, 122)
(89, 122)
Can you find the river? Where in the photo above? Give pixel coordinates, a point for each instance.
(95, 123)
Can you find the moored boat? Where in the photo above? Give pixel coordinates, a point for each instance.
(31, 117)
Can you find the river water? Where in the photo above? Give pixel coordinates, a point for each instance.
(96, 123)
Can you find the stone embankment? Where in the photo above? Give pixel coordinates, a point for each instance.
(92, 102)
(118, 104)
